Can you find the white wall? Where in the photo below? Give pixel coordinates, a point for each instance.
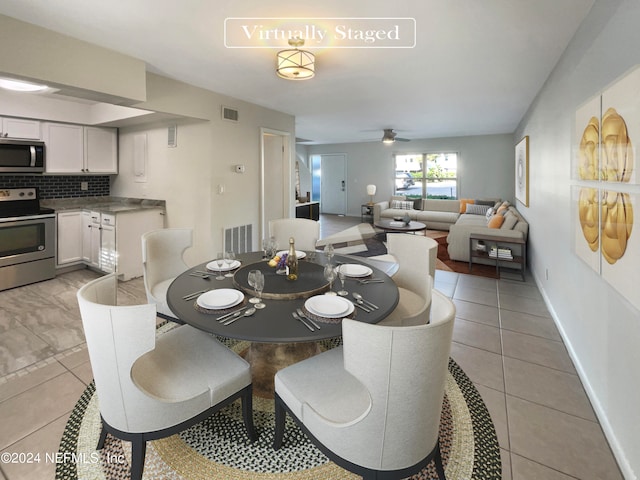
(187, 176)
(485, 166)
(600, 328)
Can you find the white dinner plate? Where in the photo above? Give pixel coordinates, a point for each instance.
(355, 270)
(220, 298)
(224, 268)
(329, 306)
(299, 253)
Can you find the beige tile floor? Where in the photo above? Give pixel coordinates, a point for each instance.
(504, 339)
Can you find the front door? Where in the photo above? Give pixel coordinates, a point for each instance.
(333, 190)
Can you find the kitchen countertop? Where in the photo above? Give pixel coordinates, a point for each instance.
(103, 204)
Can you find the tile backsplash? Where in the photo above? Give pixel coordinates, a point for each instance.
(60, 186)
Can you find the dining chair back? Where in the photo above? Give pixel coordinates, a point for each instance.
(380, 417)
(304, 231)
(162, 259)
(151, 387)
(416, 258)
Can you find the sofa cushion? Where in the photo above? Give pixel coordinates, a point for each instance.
(474, 209)
(510, 221)
(441, 205)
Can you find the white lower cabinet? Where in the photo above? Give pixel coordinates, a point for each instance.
(70, 248)
(109, 242)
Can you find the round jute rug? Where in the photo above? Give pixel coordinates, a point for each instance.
(218, 449)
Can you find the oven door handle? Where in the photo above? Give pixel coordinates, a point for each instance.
(32, 149)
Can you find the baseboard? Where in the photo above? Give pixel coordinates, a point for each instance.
(609, 433)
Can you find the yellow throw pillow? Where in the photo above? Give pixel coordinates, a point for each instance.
(496, 221)
(463, 204)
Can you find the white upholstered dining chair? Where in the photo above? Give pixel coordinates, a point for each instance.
(305, 232)
(148, 387)
(373, 405)
(416, 257)
(162, 260)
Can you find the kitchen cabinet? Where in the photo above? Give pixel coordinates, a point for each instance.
(77, 149)
(64, 147)
(100, 150)
(91, 238)
(20, 128)
(108, 245)
(69, 241)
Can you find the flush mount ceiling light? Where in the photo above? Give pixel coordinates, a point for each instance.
(296, 64)
(20, 86)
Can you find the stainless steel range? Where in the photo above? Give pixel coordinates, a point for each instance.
(27, 238)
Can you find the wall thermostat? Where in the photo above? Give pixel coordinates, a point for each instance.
(239, 168)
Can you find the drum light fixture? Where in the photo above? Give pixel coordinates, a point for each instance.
(296, 64)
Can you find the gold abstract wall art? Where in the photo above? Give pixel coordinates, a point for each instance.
(617, 158)
(606, 189)
(522, 171)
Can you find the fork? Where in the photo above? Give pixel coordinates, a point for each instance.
(295, 315)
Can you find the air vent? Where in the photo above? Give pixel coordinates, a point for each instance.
(229, 114)
(172, 136)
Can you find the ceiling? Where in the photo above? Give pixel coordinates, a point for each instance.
(475, 68)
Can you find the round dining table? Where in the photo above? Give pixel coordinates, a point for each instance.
(277, 338)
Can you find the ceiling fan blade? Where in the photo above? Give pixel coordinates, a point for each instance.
(402, 139)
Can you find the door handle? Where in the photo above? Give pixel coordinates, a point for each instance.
(342, 185)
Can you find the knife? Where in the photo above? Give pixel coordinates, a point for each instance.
(302, 314)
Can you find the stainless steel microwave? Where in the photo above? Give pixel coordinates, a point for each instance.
(21, 156)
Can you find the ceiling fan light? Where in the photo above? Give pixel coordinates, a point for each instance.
(388, 136)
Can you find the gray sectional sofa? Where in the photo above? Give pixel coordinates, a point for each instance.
(445, 215)
(514, 226)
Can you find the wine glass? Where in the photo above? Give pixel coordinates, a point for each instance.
(265, 248)
(259, 285)
(341, 277)
(252, 283)
(219, 262)
(329, 251)
(229, 258)
(330, 275)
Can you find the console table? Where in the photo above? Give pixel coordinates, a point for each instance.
(498, 242)
(309, 210)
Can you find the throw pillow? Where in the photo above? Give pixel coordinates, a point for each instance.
(477, 209)
(502, 209)
(490, 213)
(496, 221)
(489, 203)
(402, 205)
(463, 204)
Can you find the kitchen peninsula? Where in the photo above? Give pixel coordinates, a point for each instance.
(104, 233)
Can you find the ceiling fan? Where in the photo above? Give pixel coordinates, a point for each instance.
(389, 136)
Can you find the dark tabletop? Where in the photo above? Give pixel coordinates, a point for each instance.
(413, 226)
(275, 324)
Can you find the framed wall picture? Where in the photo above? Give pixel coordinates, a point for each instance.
(522, 171)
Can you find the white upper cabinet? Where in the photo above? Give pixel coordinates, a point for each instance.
(100, 150)
(64, 150)
(20, 128)
(74, 149)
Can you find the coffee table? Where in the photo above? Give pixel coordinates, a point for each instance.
(390, 226)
